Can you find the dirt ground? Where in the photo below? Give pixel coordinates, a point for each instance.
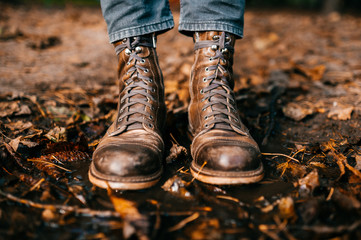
(298, 86)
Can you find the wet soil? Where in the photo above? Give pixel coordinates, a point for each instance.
(298, 87)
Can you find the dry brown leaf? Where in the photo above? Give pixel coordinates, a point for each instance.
(358, 161)
(340, 112)
(316, 73)
(308, 183)
(177, 186)
(9, 108)
(126, 209)
(286, 207)
(14, 143)
(298, 111)
(263, 43)
(18, 125)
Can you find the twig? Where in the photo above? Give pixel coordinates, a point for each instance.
(330, 194)
(198, 171)
(81, 211)
(282, 226)
(228, 198)
(327, 230)
(49, 163)
(37, 184)
(182, 223)
(175, 141)
(280, 154)
(57, 160)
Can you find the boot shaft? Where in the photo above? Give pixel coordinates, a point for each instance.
(141, 88)
(211, 87)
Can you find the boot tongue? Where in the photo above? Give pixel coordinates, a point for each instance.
(136, 107)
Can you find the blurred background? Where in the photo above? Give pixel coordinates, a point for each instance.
(324, 6)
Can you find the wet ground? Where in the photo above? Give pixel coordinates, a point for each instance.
(298, 86)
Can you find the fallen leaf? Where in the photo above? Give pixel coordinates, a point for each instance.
(8, 108)
(56, 134)
(340, 112)
(18, 125)
(177, 186)
(358, 162)
(263, 43)
(308, 183)
(134, 222)
(316, 73)
(298, 111)
(286, 208)
(14, 143)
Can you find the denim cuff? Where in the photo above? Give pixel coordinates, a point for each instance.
(187, 28)
(162, 26)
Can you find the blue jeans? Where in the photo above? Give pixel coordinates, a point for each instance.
(128, 18)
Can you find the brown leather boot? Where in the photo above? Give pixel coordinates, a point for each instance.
(222, 149)
(130, 154)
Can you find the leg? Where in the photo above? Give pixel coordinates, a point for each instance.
(222, 149)
(212, 15)
(129, 18)
(130, 155)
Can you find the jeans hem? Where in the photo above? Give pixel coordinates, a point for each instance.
(187, 28)
(162, 26)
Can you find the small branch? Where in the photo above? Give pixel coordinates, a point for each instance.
(49, 163)
(182, 223)
(81, 211)
(281, 154)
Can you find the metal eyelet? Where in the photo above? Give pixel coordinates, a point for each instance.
(150, 117)
(236, 120)
(207, 69)
(215, 37)
(150, 80)
(210, 59)
(224, 60)
(142, 61)
(146, 70)
(128, 51)
(153, 90)
(224, 50)
(214, 47)
(124, 40)
(204, 79)
(206, 125)
(201, 91)
(138, 49)
(228, 38)
(120, 119)
(150, 125)
(203, 109)
(205, 117)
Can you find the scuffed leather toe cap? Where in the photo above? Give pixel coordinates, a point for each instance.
(126, 160)
(228, 158)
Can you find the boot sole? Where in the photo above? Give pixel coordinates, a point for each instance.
(224, 178)
(127, 184)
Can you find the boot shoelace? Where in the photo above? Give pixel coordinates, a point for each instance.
(137, 91)
(218, 93)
